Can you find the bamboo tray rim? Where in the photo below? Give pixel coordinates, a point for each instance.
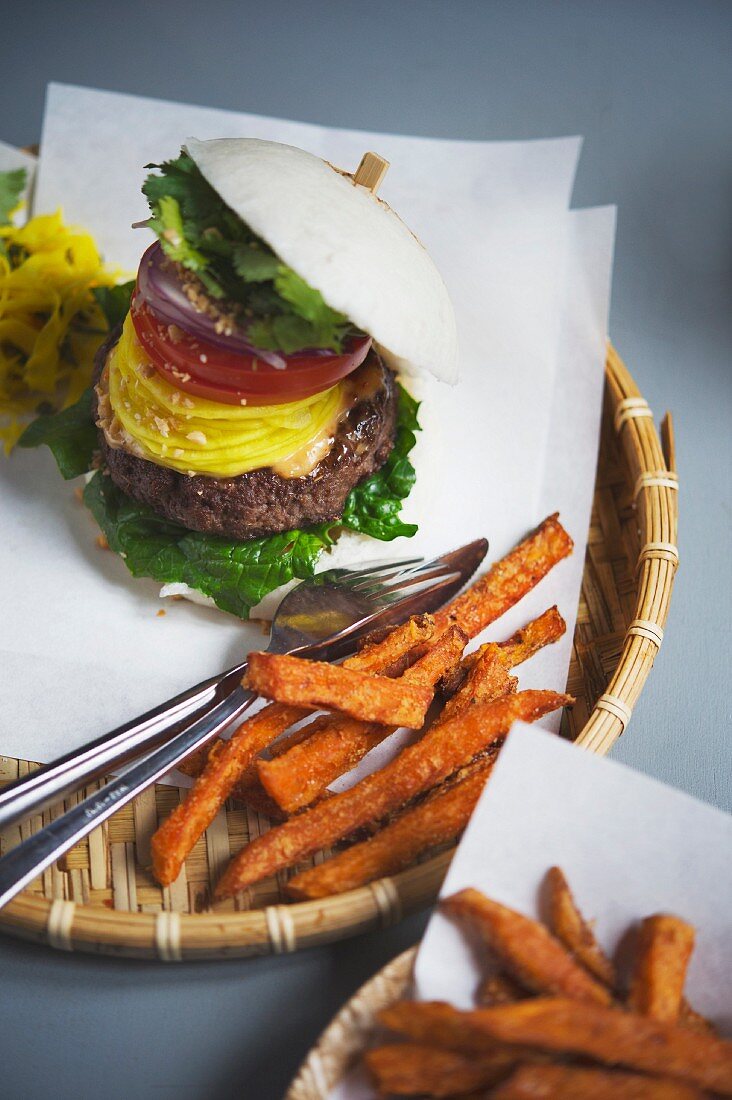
(281, 928)
(347, 1035)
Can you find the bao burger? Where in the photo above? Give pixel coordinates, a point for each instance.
(252, 412)
(253, 384)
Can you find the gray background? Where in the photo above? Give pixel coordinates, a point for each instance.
(649, 84)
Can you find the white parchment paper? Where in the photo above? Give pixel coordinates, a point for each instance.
(629, 846)
(81, 645)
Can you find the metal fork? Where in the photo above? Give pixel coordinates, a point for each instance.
(323, 618)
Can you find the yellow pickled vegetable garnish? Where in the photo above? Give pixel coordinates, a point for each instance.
(191, 434)
(50, 324)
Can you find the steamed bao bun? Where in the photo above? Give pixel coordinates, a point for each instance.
(343, 241)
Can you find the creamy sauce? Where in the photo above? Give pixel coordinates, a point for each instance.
(304, 461)
(359, 386)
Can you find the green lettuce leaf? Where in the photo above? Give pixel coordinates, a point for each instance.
(12, 185)
(236, 575)
(374, 506)
(71, 435)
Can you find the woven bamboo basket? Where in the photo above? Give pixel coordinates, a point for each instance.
(102, 899)
(350, 1031)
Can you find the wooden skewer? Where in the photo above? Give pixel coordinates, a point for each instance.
(668, 442)
(371, 171)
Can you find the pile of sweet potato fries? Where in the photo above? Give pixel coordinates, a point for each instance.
(417, 677)
(552, 1020)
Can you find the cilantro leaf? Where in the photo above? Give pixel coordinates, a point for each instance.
(167, 223)
(254, 264)
(181, 180)
(310, 305)
(12, 185)
(306, 301)
(374, 506)
(197, 230)
(236, 575)
(286, 333)
(71, 436)
(114, 302)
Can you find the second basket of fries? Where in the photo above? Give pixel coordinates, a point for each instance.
(607, 976)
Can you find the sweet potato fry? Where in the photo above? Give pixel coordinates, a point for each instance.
(246, 790)
(499, 989)
(254, 797)
(508, 580)
(301, 775)
(527, 950)
(520, 647)
(436, 1023)
(547, 1082)
(612, 1036)
(439, 753)
(437, 820)
(217, 781)
(194, 764)
(387, 655)
(664, 950)
(407, 1069)
(179, 832)
(542, 631)
(298, 682)
(298, 777)
(525, 642)
(571, 929)
(487, 680)
(689, 1017)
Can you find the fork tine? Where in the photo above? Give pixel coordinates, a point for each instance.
(371, 571)
(411, 586)
(428, 584)
(402, 578)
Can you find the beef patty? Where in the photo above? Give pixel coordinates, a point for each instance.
(261, 502)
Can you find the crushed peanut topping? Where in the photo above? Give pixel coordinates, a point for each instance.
(225, 321)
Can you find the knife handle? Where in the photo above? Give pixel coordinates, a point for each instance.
(26, 861)
(51, 783)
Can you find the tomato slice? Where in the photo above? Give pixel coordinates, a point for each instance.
(205, 370)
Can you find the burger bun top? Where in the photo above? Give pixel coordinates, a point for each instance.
(342, 240)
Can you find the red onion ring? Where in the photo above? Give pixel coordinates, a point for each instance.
(159, 286)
